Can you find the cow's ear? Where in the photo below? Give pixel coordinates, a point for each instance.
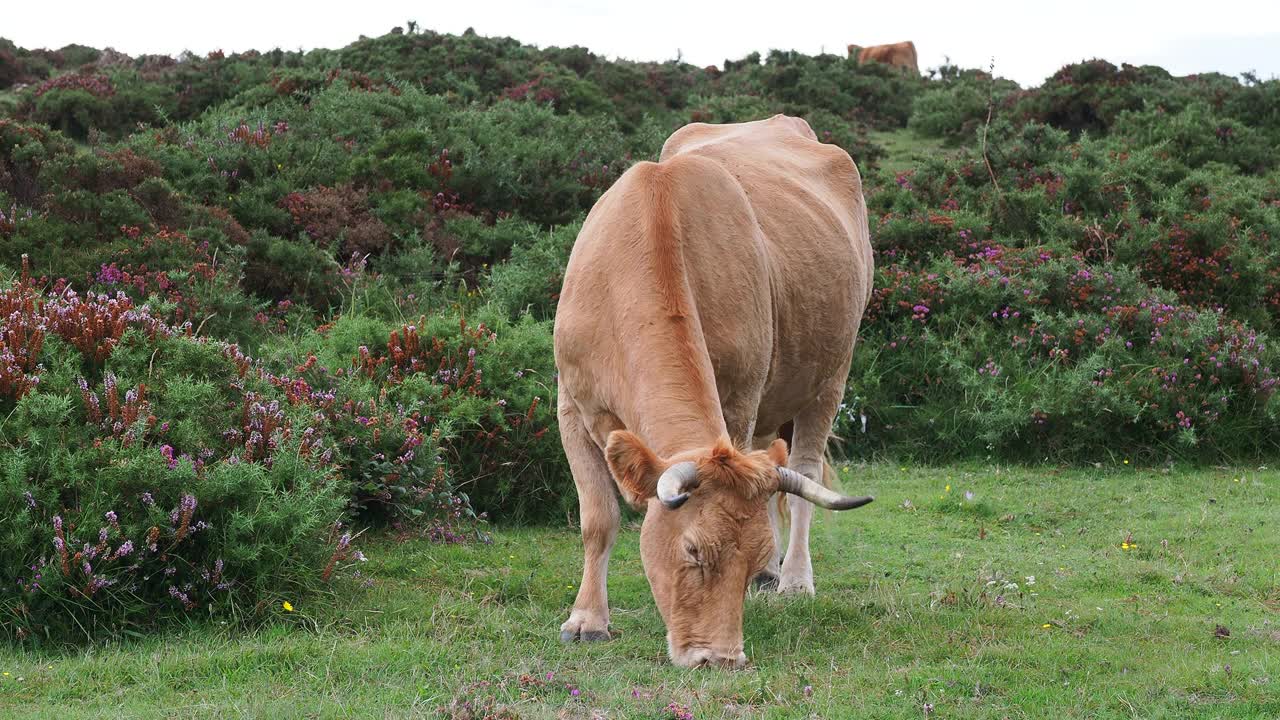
(633, 465)
(778, 452)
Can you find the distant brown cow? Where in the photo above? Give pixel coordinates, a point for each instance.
(901, 55)
(710, 298)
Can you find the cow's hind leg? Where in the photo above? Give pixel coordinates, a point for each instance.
(598, 513)
(808, 450)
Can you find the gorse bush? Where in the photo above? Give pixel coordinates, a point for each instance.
(479, 387)
(1027, 354)
(149, 473)
(959, 104)
(530, 281)
(137, 483)
(1102, 296)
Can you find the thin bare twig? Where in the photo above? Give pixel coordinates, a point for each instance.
(991, 105)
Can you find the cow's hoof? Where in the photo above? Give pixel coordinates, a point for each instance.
(766, 581)
(569, 636)
(796, 587)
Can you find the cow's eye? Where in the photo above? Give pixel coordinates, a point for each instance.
(693, 554)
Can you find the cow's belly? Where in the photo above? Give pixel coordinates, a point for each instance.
(809, 365)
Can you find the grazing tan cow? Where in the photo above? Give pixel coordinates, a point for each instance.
(901, 55)
(710, 298)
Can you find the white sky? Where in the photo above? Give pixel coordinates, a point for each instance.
(1028, 40)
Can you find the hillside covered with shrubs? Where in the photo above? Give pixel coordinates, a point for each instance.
(252, 304)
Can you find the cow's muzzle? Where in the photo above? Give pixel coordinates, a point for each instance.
(706, 657)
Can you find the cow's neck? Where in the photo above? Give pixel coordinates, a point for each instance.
(678, 408)
(669, 366)
(672, 433)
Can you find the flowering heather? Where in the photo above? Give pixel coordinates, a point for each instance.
(258, 136)
(10, 220)
(1137, 345)
(22, 337)
(96, 85)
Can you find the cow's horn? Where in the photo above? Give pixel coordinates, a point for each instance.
(790, 481)
(675, 483)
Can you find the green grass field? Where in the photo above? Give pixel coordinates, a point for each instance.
(904, 149)
(915, 605)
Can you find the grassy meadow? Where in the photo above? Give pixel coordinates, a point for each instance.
(1140, 593)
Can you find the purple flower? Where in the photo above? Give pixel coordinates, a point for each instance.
(110, 274)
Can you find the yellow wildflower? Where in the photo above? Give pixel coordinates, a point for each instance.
(1046, 626)
(288, 606)
(1126, 461)
(948, 488)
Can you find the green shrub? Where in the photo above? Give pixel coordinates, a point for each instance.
(954, 108)
(525, 158)
(148, 474)
(530, 281)
(1094, 297)
(482, 390)
(1198, 136)
(140, 481)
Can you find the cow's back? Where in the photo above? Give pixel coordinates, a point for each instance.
(807, 198)
(901, 55)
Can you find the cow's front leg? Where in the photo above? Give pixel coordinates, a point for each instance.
(768, 578)
(598, 514)
(797, 568)
(808, 452)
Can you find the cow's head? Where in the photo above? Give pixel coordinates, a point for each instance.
(706, 534)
